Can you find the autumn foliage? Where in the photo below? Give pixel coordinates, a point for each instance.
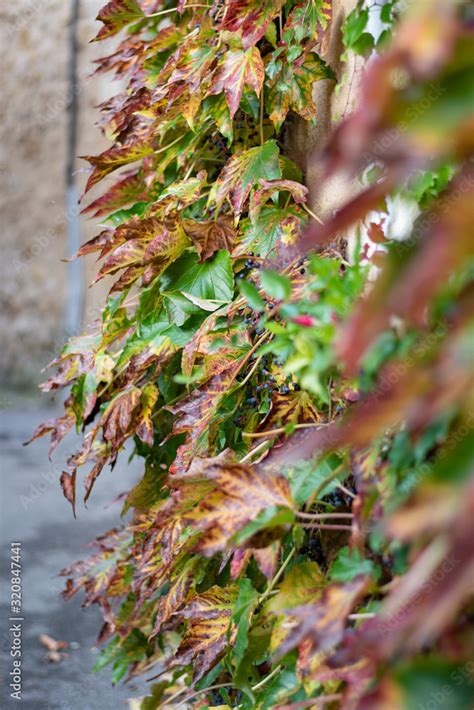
(301, 392)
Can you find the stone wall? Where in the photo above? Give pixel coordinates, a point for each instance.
(34, 100)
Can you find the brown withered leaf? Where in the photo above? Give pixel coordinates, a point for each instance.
(206, 637)
(214, 351)
(268, 188)
(322, 622)
(114, 158)
(208, 237)
(293, 407)
(51, 644)
(240, 494)
(116, 15)
(95, 574)
(58, 428)
(265, 557)
(141, 242)
(181, 584)
(117, 418)
(127, 190)
(195, 413)
(252, 17)
(68, 485)
(239, 68)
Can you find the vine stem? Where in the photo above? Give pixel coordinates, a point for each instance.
(324, 699)
(322, 526)
(277, 577)
(169, 145)
(174, 9)
(260, 123)
(250, 454)
(311, 213)
(281, 430)
(346, 491)
(196, 693)
(265, 680)
(322, 516)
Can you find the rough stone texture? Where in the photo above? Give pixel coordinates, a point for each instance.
(33, 114)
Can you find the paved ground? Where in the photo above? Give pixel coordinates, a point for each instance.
(34, 512)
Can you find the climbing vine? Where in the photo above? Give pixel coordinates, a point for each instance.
(300, 392)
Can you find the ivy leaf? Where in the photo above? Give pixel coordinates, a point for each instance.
(251, 295)
(348, 565)
(211, 236)
(268, 188)
(216, 107)
(126, 191)
(244, 170)
(241, 493)
(293, 88)
(209, 617)
(143, 242)
(252, 17)
(210, 280)
(273, 227)
(116, 15)
(144, 424)
(197, 411)
(241, 615)
(275, 285)
(181, 583)
(307, 20)
(307, 477)
(273, 520)
(304, 582)
(117, 417)
(321, 623)
(239, 68)
(114, 158)
(353, 34)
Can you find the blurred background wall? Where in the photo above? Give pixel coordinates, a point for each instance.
(36, 103)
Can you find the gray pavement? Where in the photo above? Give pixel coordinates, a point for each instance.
(34, 512)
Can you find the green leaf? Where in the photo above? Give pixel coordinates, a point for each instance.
(271, 34)
(211, 280)
(116, 15)
(271, 228)
(275, 285)
(302, 584)
(449, 686)
(251, 295)
(272, 517)
(307, 477)
(241, 615)
(354, 26)
(243, 171)
(349, 565)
